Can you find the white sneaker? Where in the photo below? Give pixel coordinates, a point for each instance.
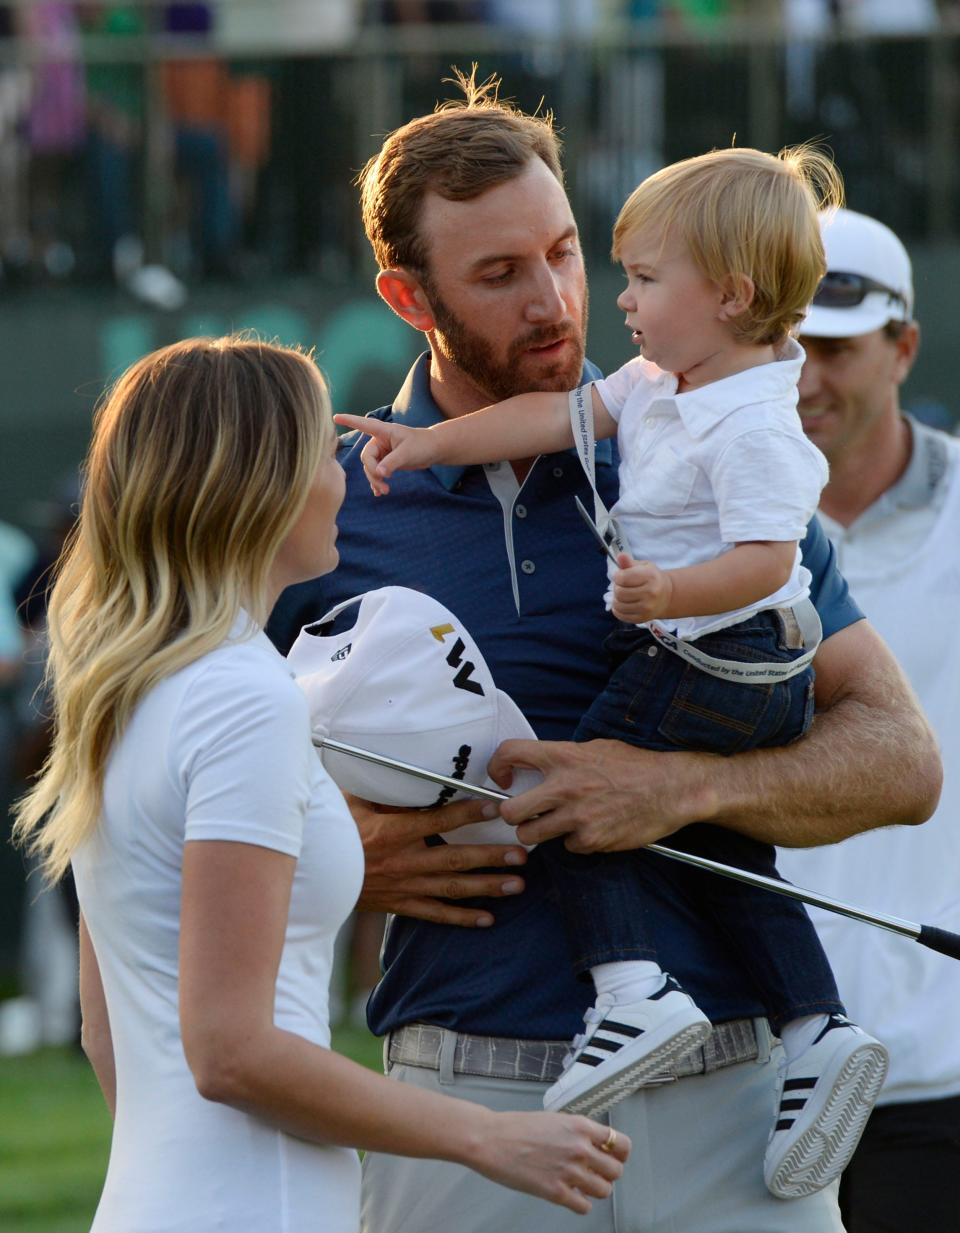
(624, 1045)
(825, 1098)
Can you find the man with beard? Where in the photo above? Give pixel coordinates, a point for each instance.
(478, 250)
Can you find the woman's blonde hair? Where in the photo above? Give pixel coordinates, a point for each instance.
(742, 212)
(201, 460)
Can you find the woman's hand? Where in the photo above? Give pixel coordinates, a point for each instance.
(555, 1156)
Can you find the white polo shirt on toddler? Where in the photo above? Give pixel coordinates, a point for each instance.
(712, 467)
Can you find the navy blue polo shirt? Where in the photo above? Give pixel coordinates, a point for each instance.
(524, 575)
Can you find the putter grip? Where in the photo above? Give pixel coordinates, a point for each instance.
(943, 940)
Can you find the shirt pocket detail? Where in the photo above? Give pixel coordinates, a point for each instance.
(669, 483)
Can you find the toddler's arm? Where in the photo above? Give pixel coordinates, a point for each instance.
(748, 572)
(519, 427)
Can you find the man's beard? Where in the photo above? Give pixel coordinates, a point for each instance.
(470, 352)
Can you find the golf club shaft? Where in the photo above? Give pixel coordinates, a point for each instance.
(937, 939)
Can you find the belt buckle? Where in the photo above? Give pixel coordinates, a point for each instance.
(792, 633)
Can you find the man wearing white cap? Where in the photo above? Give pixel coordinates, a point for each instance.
(892, 509)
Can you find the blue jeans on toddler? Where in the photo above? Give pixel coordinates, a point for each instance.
(657, 700)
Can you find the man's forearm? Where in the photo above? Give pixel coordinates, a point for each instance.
(856, 769)
(870, 758)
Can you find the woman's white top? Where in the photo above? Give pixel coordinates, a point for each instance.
(219, 751)
(712, 467)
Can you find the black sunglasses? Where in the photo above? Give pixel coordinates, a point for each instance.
(841, 290)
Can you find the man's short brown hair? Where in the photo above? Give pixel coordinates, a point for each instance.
(461, 149)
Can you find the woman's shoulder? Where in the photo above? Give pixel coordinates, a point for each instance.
(248, 667)
(239, 705)
(241, 684)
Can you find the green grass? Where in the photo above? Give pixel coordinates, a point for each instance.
(55, 1136)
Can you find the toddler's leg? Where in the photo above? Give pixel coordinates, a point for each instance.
(641, 1020)
(770, 935)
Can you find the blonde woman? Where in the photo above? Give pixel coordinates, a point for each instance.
(214, 860)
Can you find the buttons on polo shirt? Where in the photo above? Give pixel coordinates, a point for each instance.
(557, 472)
(520, 511)
(491, 466)
(528, 567)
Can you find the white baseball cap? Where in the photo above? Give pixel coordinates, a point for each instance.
(408, 681)
(869, 280)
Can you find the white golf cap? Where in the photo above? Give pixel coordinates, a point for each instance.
(865, 260)
(407, 681)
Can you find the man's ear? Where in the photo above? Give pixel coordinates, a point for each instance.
(907, 345)
(403, 293)
(737, 292)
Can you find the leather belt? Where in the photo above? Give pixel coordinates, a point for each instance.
(541, 1061)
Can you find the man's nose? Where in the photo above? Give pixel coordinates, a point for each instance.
(546, 302)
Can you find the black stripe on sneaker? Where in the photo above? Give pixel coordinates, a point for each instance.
(611, 1046)
(791, 1104)
(590, 1059)
(833, 1021)
(798, 1085)
(668, 986)
(785, 1124)
(622, 1029)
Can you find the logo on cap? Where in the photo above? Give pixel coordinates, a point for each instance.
(408, 683)
(461, 763)
(455, 659)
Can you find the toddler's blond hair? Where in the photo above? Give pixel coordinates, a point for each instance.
(743, 212)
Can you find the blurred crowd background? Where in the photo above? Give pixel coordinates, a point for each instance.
(175, 169)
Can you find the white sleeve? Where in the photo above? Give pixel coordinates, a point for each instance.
(243, 757)
(767, 486)
(636, 377)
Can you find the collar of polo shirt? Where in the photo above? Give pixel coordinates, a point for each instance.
(701, 409)
(415, 407)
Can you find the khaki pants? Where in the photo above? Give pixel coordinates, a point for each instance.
(696, 1166)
